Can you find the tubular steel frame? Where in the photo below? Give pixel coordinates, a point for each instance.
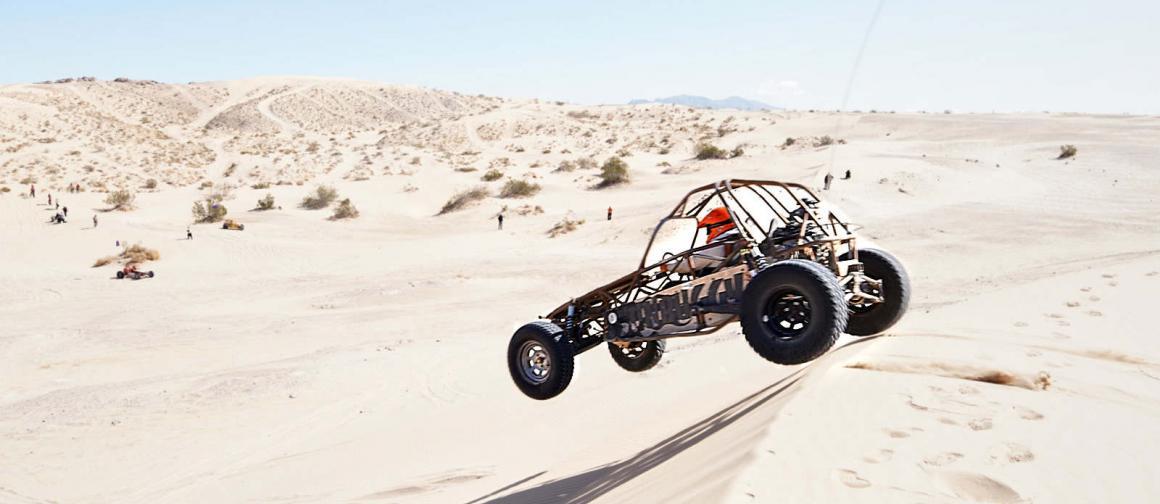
(584, 316)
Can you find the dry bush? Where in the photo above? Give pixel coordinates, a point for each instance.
(261, 185)
(230, 170)
(585, 163)
(824, 141)
(466, 169)
(344, 210)
(121, 199)
(150, 184)
(1066, 151)
(565, 166)
(613, 172)
(266, 203)
(104, 260)
(789, 141)
(462, 199)
(28, 180)
(206, 184)
(210, 210)
(519, 189)
(737, 152)
(564, 227)
(323, 196)
(5, 189)
(710, 151)
(137, 253)
(492, 175)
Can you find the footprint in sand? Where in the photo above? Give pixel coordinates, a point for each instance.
(979, 424)
(942, 459)
(1072, 304)
(1028, 413)
(883, 455)
(1085, 289)
(1095, 313)
(896, 434)
(1108, 275)
(978, 488)
(851, 478)
(1011, 452)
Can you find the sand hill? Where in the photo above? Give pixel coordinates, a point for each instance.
(362, 360)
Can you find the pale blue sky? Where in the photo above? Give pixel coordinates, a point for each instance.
(1060, 55)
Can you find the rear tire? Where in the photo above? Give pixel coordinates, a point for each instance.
(876, 318)
(120, 275)
(793, 312)
(639, 356)
(541, 359)
(150, 274)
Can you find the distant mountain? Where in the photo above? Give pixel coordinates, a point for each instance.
(732, 102)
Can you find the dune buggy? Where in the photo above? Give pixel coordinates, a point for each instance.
(131, 272)
(773, 256)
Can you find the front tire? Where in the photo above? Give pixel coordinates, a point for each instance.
(639, 356)
(120, 275)
(793, 312)
(541, 359)
(875, 318)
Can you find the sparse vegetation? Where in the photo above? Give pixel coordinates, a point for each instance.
(344, 210)
(462, 199)
(28, 180)
(613, 172)
(230, 171)
(323, 196)
(564, 227)
(150, 184)
(737, 152)
(209, 210)
(137, 253)
(519, 189)
(710, 151)
(565, 166)
(585, 163)
(104, 261)
(261, 185)
(1066, 151)
(824, 141)
(466, 169)
(491, 175)
(121, 199)
(266, 203)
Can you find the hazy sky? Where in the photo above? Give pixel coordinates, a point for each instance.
(977, 55)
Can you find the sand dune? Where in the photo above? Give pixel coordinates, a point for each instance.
(310, 360)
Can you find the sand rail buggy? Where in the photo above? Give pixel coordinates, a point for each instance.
(774, 256)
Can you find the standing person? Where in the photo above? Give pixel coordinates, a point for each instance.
(829, 178)
(609, 213)
(58, 203)
(32, 190)
(188, 233)
(847, 177)
(66, 211)
(50, 200)
(94, 220)
(500, 219)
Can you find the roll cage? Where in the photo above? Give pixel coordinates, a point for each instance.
(775, 221)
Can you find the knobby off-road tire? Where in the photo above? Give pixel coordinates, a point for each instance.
(639, 356)
(793, 312)
(541, 359)
(120, 275)
(875, 318)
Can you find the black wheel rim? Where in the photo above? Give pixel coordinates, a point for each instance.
(636, 350)
(787, 314)
(865, 307)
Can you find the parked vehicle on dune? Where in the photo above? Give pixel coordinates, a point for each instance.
(131, 272)
(233, 225)
(772, 256)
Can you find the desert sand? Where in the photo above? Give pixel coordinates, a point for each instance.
(362, 360)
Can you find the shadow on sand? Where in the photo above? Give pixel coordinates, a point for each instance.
(598, 481)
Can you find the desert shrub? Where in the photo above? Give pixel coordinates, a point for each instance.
(230, 170)
(210, 210)
(206, 184)
(564, 227)
(266, 203)
(664, 150)
(710, 151)
(466, 169)
(104, 261)
(1066, 151)
(261, 185)
(462, 199)
(121, 199)
(582, 114)
(565, 166)
(737, 152)
(585, 163)
(151, 184)
(344, 210)
(28, 180)
(614, 171)
(492, 175)
(789, 141)
(518, 189)
(5, 189)
(824, 141)
(323, 196)
(415, 160)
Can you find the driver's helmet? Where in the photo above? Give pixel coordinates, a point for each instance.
(717, 222)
